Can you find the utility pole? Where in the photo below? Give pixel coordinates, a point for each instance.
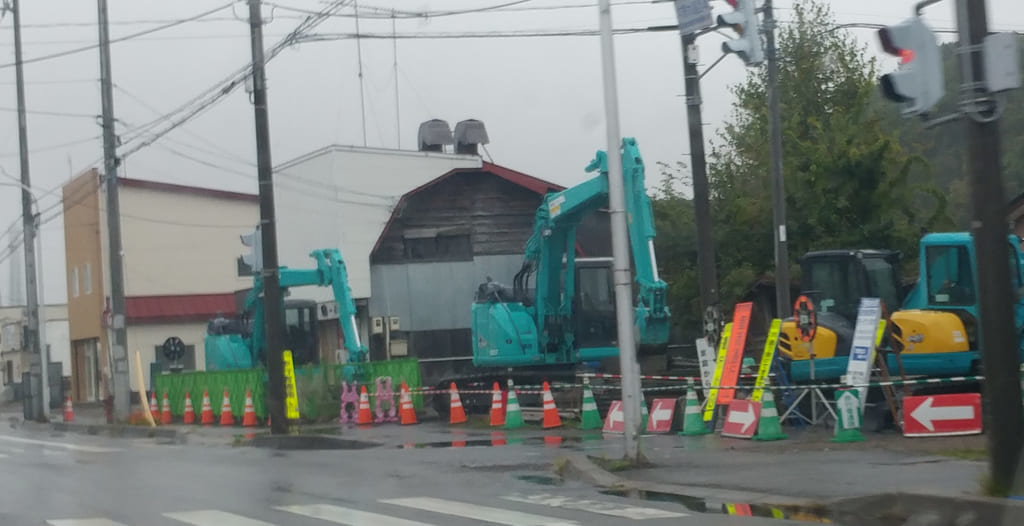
(698, 165)
(782, 299)
(620, 243)
(272, 304)
(44, 349)
(121, 390)
(999, 343)
(39, 411)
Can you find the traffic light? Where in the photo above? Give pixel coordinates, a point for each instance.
(254, 259)
(919, 81)
(744, 22)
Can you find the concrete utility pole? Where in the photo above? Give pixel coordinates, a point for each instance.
(272, 303)
(698, 165)
(620, 243)
(782, 299)
(39, 410)
(121, 390)
(44, 349)
(999, 342)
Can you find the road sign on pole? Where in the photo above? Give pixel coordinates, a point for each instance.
(942, 415)
(708, 363)
(693, 15)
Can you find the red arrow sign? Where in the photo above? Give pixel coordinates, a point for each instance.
(615, 422)
(660, 420)
(942, 415)
(741, 421)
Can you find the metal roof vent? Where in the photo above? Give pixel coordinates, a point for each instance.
(434, 135)
(469, 134)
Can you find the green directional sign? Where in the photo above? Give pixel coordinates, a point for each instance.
(848, 423)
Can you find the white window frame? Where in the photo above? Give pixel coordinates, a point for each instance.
(74, 282)
(87, 279)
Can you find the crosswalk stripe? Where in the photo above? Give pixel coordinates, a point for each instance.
(84, 522)
(214, 518)
(349, 517)
(596, 506)
(480, 513)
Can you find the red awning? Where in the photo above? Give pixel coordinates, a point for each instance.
(185, 307)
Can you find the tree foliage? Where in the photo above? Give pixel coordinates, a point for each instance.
(848, 180)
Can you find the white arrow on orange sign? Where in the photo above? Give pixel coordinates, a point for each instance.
(746, 417)
(926, 413)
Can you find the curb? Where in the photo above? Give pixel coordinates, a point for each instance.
(110, 430)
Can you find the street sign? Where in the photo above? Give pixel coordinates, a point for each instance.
(707, 361)
(660, 420)
(291, 395)
(734, 358)
(723, 346)
(741, 421)
(862, 351)
(693, 15)
(615, 422)
(848, 406)
(942, 415)
(766, 359)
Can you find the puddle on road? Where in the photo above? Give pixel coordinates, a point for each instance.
(543, 480)
(699, 505)
(307, 442)
(501, 439)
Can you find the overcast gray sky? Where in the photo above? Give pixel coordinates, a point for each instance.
(540, 98)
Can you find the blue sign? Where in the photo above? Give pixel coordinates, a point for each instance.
(860, 353)
(693, 15)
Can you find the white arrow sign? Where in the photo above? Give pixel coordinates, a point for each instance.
(617, 416)
(926, 413)
(661, 413)
(745, 417)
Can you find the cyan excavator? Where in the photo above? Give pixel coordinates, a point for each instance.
(241, 343)
(566, 321)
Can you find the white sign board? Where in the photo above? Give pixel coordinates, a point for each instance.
(693, 15)
(862, 351)
(706, 356)
(849, 410)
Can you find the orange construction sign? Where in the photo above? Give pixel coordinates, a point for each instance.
(734, 357)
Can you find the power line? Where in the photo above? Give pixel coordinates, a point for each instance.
(53, 113)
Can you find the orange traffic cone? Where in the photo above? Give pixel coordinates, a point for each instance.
(206, 411)
(153, 409)
(458, 415)
(497, 409)
(249, 417)
(190, 412)
(69, 411)
(364, 417)
(165, 412)
(551, 418)
(408, 412)
(226, 418)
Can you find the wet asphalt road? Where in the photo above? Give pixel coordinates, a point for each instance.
(407, 477)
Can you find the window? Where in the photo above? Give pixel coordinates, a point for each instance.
(883, 282)
(950, 280)
(87, 279)
(442, 247)
(9, 372)
(74, 282)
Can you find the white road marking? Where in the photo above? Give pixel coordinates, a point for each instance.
(72, 447)
(596, 506)
(214, 518)
(480, 513)
(84, 522)
(349, 517)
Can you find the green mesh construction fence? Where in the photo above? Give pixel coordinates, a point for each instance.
(215, 382)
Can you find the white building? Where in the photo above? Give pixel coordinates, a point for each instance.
(14, 360)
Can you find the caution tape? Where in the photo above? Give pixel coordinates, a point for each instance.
(655, 377)
(916, 381)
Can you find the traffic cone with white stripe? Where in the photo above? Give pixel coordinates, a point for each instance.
(644, 414)
(249, 415)
(69, 410)
(513, 413)
(226, 418)
(364, 416)
(551, 418)
(693, 419)
(153, 409)
(408, 412)
(165, 412)
(590, 417)
(769, 427)
(206, 411)
(190, 412)
(497, 411)
(456, 412)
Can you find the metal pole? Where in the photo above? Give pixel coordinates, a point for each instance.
(701, 194)
(28, 224)
(1002, 389)
(121, 390)
(44, 351)
(782, 299)
(620, 242)
(272, 301)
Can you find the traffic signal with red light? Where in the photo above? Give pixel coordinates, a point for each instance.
(919, 82)
(744, 21)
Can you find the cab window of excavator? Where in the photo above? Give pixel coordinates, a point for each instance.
(595, 289)
(882, 281)
(299, 334)
(834, 282)
(950, 280)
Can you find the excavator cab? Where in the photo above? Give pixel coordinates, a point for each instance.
(594, 304)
